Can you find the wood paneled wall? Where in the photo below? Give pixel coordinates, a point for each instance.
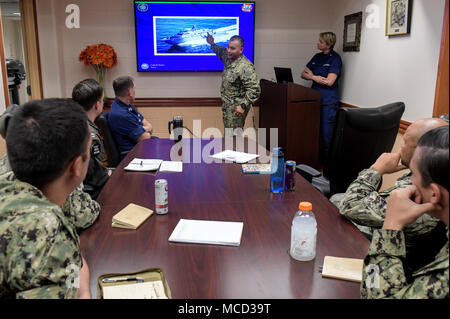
(159, 111)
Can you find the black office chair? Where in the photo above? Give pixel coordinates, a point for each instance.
(360, 136)
(111, 149)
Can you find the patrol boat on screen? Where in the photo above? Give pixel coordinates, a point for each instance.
(196, 37)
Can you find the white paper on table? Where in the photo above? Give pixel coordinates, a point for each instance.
(207, 232)
(233, 156)
(142, 164)
(171, 166)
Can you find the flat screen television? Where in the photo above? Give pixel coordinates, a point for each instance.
(171, 35)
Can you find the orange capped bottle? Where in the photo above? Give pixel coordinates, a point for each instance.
(304, 233)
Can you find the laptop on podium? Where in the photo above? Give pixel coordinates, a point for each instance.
(283, 75)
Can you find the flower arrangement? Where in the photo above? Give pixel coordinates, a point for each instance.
(101, 57)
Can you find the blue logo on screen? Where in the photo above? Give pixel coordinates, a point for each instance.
(142, 7)
(144, 66)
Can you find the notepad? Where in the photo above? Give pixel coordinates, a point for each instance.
(207, 232)
(141, 164)
(145, 290)
(171, 166)
(343, 268)
(131, 217)
(256, 168)
(233, 156)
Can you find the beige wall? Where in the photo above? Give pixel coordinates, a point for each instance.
(210, 117)
(286, 35)
(389, 69)
(386, 69)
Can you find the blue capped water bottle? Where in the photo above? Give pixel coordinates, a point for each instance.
(277, 170)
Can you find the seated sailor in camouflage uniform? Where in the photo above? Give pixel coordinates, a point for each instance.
(89, 94)
(240, 86)
(48, 145)
(366, 207)
(79, 207)
(384, 274)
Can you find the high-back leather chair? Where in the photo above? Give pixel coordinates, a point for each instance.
(111, 149)
(360, 136)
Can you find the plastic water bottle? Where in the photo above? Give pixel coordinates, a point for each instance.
(277, 170)
(304, 233)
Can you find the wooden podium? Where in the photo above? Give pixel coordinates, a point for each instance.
(295, 111)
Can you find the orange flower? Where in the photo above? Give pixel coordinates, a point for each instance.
(102, 55)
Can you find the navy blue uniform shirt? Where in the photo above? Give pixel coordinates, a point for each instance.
(323, 64)
(125, 123)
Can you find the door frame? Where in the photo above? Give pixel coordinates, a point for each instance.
(3, 63)
(31, 47)
(441, 98)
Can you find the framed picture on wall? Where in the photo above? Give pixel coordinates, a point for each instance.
(398, 17)
(352, 31)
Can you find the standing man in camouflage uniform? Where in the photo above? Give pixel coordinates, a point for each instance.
(89, 94)
(384, 275)
(366, 207)
(240, 86)
(48, 144)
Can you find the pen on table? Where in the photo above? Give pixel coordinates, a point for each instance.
(109, 280)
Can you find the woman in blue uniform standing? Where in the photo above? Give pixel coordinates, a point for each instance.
(324, 70)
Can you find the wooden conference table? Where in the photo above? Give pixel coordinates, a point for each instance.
(260, 267)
